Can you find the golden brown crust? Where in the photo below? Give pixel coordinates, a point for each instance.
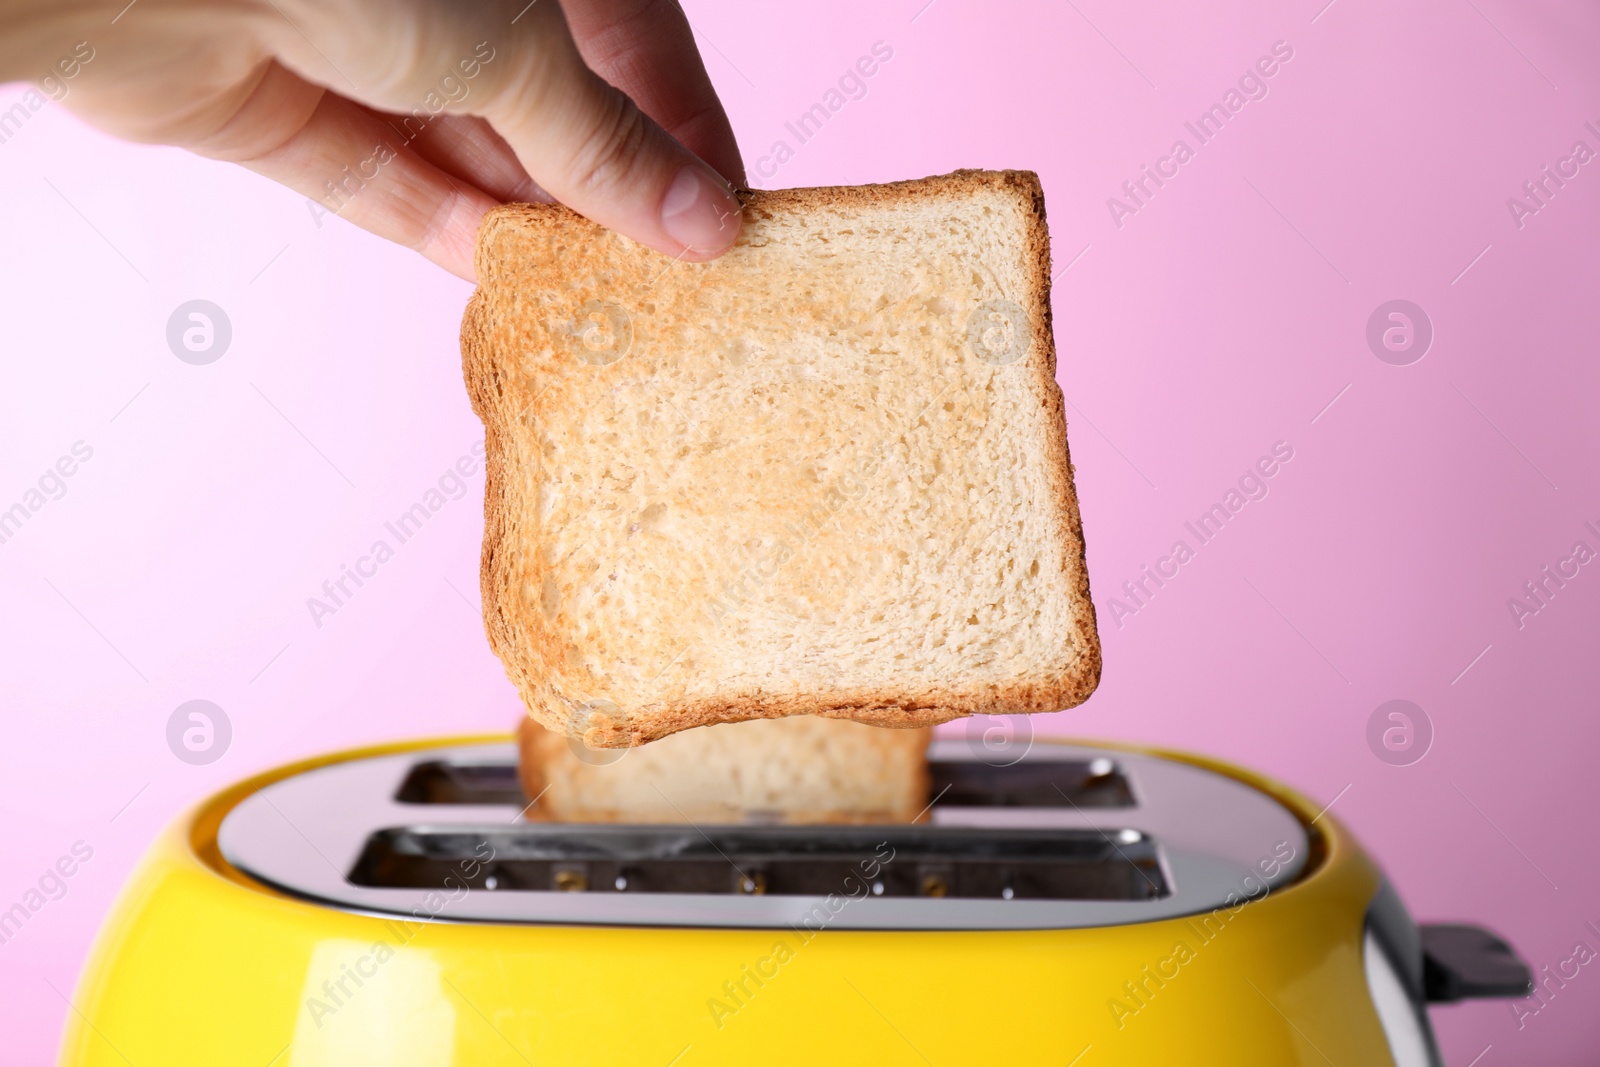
(533, 656)
(1061, 471)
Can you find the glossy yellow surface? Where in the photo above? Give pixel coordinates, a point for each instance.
(200, 965)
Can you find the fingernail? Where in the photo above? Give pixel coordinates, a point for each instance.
(699, 212)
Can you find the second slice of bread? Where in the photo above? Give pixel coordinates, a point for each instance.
(826, 473)
(800, 769)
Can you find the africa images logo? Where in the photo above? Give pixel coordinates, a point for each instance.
(1252, 85)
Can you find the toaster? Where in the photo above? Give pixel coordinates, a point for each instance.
(1063, 903)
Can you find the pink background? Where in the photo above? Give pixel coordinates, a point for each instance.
(1222, 317)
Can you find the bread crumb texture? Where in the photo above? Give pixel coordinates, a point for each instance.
(826, 473)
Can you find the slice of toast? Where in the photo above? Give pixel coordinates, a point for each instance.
(826, 473)
(800, 769)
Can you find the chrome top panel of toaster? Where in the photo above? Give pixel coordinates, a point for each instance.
(1151, 839)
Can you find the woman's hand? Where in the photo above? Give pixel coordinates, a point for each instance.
(412, 118)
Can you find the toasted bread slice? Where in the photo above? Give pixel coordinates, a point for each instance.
(826, 473)
(801, 769)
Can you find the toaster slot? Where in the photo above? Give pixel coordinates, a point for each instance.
(1090, 783)
(870, 861)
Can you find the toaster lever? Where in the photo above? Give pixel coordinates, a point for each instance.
(1462, 962)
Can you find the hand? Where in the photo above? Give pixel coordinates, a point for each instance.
(414, 117)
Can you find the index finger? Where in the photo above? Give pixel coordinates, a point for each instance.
(646, 49)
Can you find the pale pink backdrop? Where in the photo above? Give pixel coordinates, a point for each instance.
(1223, 316)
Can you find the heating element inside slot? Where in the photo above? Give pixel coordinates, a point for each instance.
(1095, 783)
(453, 782)
(887, 861)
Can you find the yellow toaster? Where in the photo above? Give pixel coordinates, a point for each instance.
(1062, 904)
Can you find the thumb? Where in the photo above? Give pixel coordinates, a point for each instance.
(589, 146)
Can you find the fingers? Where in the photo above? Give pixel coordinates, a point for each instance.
(544, 121)
(646, 49)
(594, 150)
(468, 148)
(356, 164)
